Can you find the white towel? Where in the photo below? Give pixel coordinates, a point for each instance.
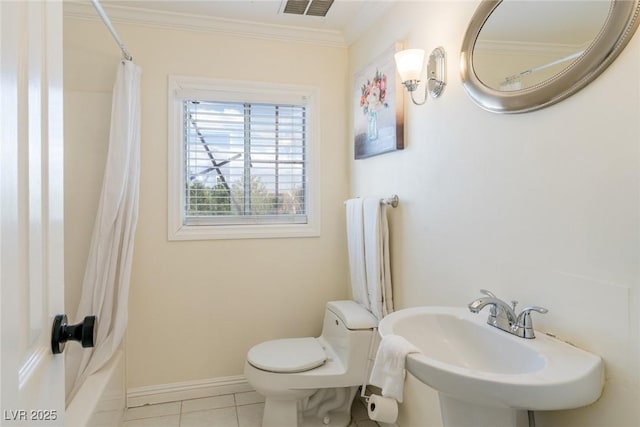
(355, 245)
(388, 368)
(377, 259)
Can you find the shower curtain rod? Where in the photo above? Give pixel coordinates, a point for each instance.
(112, 30)
(524, 73)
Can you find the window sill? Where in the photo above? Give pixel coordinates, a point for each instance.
(231, 232)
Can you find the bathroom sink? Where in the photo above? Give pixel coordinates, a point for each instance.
(472, 363)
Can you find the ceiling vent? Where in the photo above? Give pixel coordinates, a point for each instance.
(307, 7)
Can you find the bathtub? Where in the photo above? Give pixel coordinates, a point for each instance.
(101, 400)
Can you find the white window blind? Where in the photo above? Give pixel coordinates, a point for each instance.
(244, 163)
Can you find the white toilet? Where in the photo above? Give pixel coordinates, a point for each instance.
(288, 371)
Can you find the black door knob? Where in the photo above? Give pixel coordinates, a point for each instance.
(84, 332)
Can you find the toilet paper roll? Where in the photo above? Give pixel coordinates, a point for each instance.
(383, 409)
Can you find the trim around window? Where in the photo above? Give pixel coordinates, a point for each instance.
(182, 228)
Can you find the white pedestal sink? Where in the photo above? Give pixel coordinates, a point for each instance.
(487, 377)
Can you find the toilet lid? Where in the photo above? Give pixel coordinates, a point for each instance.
(287, 355)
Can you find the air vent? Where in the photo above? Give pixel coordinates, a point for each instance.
(296, 7)
(308, 7)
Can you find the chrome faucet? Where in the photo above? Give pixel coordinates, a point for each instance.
(503, 316)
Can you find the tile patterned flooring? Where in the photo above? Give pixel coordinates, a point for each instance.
(230, 410)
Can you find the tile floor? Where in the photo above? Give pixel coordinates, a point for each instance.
(231, 410)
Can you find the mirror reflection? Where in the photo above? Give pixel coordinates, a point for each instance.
(524, 43)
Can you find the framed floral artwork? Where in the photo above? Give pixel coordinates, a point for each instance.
(378, 102)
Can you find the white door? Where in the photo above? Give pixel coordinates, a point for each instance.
(31, 211)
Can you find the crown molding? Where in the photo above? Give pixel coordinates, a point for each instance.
(188, 22)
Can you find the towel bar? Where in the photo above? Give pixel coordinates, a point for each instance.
(391, 201)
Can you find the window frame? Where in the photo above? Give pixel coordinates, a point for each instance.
(183, 87)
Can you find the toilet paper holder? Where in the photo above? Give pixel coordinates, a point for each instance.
(383, 409)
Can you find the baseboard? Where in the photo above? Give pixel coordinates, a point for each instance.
(164, 393)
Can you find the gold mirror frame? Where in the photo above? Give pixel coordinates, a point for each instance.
(616, 32)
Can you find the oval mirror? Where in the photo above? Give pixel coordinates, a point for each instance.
(520, 56)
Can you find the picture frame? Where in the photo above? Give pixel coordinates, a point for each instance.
(378, 107)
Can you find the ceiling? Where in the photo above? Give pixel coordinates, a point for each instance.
(345, 20)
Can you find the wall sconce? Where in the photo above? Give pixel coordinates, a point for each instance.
(409, 63)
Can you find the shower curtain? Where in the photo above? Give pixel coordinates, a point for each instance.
(105, 287)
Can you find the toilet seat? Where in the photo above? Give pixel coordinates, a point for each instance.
(287, 355)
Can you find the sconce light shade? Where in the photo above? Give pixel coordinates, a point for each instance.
(409, 63)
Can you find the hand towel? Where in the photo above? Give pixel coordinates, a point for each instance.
(388, 368)
(355, 246)
(377, 259)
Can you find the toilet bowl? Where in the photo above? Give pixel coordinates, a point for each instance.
(288, 371)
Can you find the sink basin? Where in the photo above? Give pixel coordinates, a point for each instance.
(478, 368)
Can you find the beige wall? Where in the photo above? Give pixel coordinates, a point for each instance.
(196, 307)
(540, 207)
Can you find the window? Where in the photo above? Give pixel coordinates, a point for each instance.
(241, 160)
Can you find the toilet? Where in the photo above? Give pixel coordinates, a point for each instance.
(289, 372)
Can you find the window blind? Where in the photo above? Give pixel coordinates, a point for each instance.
(244, 162)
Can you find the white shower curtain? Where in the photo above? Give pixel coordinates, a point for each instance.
(105, 288)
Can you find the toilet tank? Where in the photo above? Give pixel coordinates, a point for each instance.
(349, 329)
(354, 316)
